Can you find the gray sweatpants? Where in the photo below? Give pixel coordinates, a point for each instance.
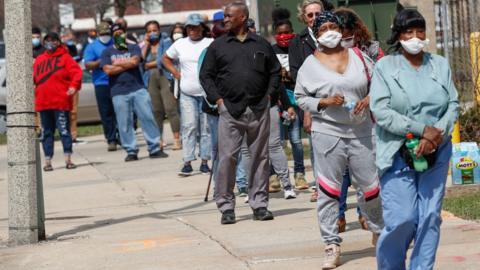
(278, 158)
(332, 155)
(231, 132)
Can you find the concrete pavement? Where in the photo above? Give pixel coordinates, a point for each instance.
(108, 214)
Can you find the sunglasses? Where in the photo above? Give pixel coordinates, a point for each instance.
(310, 15)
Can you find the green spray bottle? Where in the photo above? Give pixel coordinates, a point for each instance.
(420, 164)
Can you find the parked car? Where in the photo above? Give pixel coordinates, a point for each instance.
(87, 106)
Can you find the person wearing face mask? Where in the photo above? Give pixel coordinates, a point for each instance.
(194, 121)
(37, 42)
(355, 35)
(163, 101)
(91, 36)
(302, 46)
(332, 85)
(412, 91)
(121, 62)
(284, 36)
(92, 57)
(57, 78)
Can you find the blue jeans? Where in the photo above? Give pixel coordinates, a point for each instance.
(346, 183)
(194, 122)
(412, 203)
(60, 120)
(107, 112)
(140, 103)
(241, 174)
(294, 134)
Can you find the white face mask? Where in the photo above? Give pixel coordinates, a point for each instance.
(348, 42)
(105, 39)
(330, 39)
(176, 36)
(414, 45)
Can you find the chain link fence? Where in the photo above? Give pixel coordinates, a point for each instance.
(459, 20)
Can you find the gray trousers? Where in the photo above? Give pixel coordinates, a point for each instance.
(278, 158)
(231, 133)
(332, 155)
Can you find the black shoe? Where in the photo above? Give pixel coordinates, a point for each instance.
(131, 157)
(228, 217)
(262, 214)
(158, 154)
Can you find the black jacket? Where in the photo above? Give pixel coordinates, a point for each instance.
(243, 74)
(300, 48)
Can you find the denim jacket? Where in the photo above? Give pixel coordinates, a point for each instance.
(404, 100)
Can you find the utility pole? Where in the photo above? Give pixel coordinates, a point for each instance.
(22, 182)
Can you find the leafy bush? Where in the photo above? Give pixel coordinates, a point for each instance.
(470, 125)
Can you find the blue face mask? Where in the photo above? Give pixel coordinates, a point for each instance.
(70, 43)
(51, 46)
(35, 42)
(154, 36)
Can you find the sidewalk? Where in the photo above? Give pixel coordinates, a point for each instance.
(109, 214)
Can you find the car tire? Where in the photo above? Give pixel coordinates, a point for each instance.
(3, 121)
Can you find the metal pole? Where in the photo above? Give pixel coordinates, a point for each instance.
(40, 202)
(22, 182)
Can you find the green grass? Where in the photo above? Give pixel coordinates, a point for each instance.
(306, 151)
(83, 131)
(466, 206)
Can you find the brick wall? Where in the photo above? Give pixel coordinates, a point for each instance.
(183, 5)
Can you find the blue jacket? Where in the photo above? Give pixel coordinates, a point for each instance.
(404, 100)
(163, 45)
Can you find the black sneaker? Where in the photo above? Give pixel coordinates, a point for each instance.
(131, 157)
(112, 147)
(187, 170)
(158, 154)
(262, 214)
(242, 192)
(228, 217)
(204, 168)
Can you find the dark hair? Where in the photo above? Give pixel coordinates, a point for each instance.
(404, 19)
(351, 21)
(240, 5)
(152, 22)
(178, 25)
(281, 16)
(36, 30)
(327, 6)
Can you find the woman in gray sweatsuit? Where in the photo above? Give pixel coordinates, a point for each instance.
(332, 84)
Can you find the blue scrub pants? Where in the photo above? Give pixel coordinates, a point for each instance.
(412, 204)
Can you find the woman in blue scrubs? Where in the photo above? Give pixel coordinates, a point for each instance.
(412, 91)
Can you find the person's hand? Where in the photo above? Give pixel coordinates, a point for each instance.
(335, 100)
(176, 75)
(71, 91)
(434, 135)
(361, 105)
(146, 39)
(291, 113)
(220, 102)
(425, 147)
(307, 123)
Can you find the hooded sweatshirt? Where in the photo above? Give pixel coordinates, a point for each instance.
(53, 74)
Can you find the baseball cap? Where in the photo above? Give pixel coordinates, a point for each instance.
(218, 16)
(194, 19)
(53, 36)
(115, 27)
(104, 29)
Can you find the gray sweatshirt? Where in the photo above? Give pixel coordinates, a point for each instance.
(316, 81)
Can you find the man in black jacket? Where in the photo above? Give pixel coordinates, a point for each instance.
(240, 72)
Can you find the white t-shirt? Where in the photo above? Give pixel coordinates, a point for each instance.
(188, 52)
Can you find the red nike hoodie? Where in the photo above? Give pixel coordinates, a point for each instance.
(53, 74)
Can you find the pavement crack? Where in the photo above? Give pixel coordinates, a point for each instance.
(218, 242)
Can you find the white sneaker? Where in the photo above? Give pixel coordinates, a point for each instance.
(289, 194)
(332, 257)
